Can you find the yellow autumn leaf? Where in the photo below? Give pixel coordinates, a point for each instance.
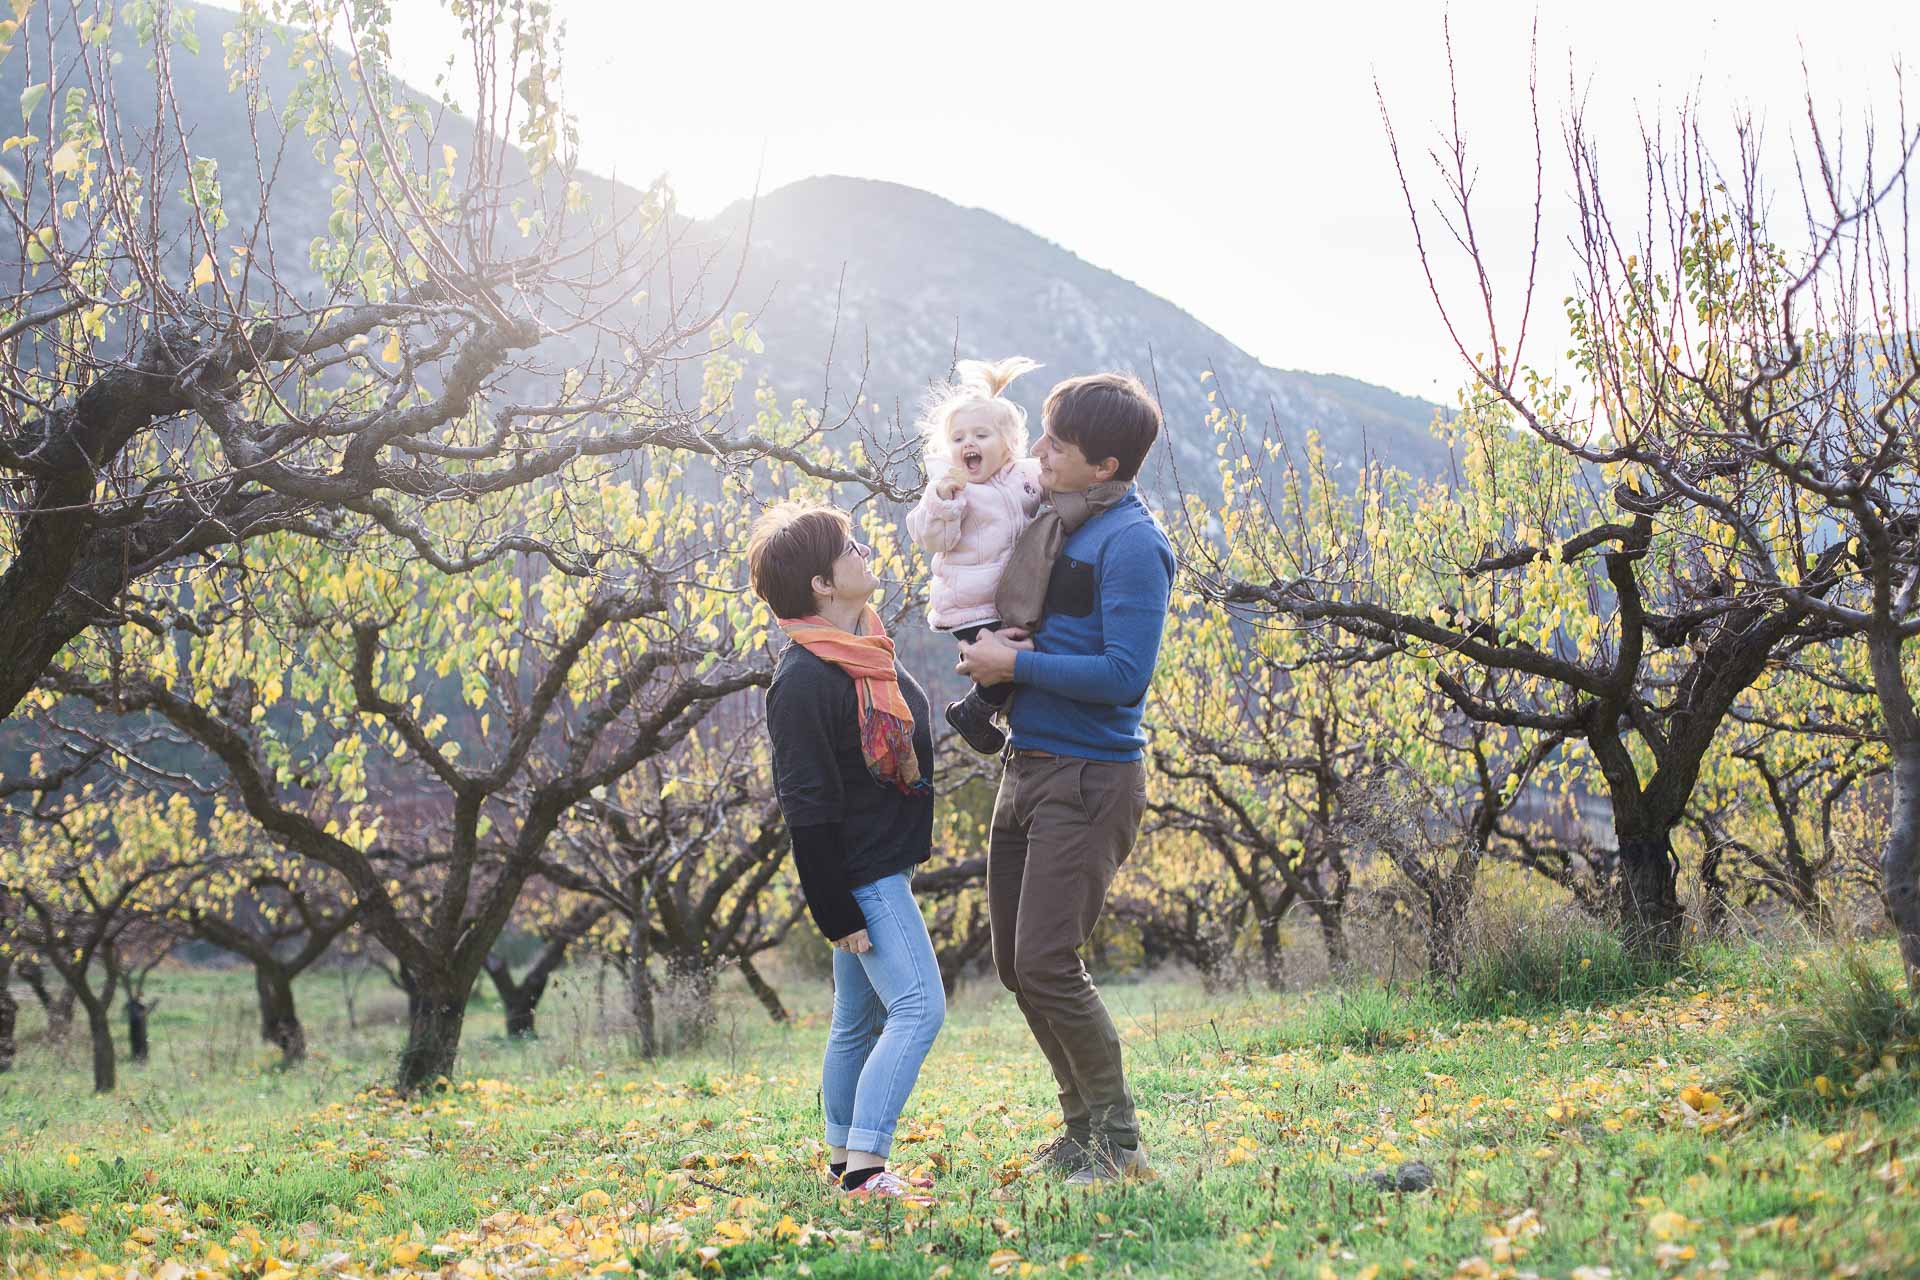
(1001, 1261)
(1668, 1225)
(400, 1255)
(391, 352)
(595, 1200)
(71, 1221)
(67, 160)
(203, 274)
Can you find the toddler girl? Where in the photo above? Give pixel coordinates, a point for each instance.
(985, 490)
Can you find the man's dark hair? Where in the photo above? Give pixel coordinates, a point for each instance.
(792, 543)
(1106, 415)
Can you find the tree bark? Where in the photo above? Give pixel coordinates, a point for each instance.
(9, 1013)
(769, 998)
(437, 1011)
(1649, 897)
(639, 975)
(692, 982)
(1333, 936)
(520, 999)
(1900, 853)
(1900, 858)
(1714, 905)
(137, 1010)
(279, 1019)
(100, 1027)
(1272, 956)
(517, 999)
(57, 1005)
(1447, 904)
(640, 1004)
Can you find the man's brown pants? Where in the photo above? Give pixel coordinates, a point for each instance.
(1061, 828)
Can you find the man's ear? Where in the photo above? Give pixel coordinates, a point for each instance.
(1106, 469)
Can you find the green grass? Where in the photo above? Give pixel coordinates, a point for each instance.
(1546, 962)
(1854, 1042)
(1621, 1131)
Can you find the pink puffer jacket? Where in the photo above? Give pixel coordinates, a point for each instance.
(971, 538)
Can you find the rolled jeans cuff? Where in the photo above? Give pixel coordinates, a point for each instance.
(871, 1141)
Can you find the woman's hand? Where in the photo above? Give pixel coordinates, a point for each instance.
(855, 942)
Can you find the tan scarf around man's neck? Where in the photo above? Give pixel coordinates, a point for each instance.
(1021, 598)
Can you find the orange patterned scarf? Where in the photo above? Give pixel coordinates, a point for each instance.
(886, 721)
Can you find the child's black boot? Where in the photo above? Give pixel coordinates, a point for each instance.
(972, 717)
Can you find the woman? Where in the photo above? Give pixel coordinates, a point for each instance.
(853, 769)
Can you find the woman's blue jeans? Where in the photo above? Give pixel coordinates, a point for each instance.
(887, 1008)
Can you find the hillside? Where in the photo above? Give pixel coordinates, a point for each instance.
(924, 276)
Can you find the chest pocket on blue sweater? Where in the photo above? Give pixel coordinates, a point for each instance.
(1070, 590)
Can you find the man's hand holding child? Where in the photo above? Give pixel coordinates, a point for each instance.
(989, 659)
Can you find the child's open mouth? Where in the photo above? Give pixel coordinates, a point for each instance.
(970, 459)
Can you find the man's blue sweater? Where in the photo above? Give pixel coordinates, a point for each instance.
(1084, 685)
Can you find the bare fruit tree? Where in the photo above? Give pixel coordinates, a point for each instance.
(465, 316)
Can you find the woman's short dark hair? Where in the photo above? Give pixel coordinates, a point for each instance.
(792, 543)
(1106, 415)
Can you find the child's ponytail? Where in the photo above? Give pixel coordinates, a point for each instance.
(993, 375)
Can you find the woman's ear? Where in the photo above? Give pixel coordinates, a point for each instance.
(822, 587)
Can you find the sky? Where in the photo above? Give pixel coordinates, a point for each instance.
(1227, 156)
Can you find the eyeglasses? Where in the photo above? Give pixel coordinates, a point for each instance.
(856, 548)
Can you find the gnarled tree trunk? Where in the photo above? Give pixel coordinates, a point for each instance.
(1900, 852)
(57, 1005)
(518, 1000)
(279, 1019)
(436, 1014)
(1333, 936)
(763, 990)
(137, 1011)
(639, 975)
(692, 980)
(1272, 953)
(1900, 858)
(1448, 899)
(100, 1028)
(9, 1013)
(1649, 896)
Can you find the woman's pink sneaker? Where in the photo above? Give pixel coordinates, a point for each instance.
(890, 1184)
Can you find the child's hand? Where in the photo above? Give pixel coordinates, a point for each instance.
(949, 485)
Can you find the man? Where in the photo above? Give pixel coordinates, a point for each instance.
(1074, 788)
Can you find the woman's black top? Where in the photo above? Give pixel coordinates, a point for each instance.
(849, 829)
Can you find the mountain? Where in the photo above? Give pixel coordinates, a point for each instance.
(916, 279)
(881, 275)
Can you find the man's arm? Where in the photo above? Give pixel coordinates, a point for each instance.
(1136, 582)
